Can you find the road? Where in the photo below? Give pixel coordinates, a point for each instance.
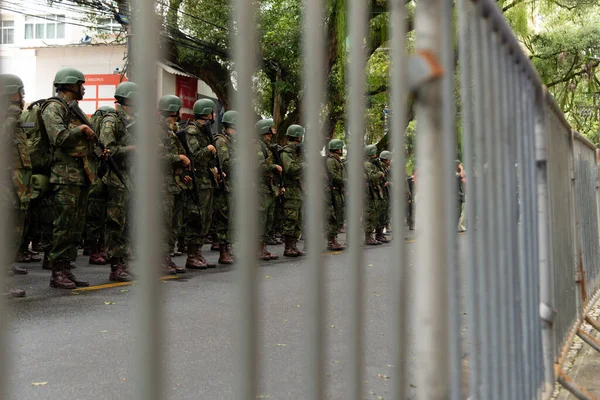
(81, 343)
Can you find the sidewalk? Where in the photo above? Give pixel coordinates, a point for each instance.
(582, 365)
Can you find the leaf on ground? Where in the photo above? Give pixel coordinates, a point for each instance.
(267, 276)
(332, 326)
(373, 393)
(379, 398)
(38, 383)
(75, 293)
(124, 290)
(336, 362)
(298, 305)
(377, 294)
(390, 365)
(109, 303)
(383, 376)
(281, 344)
(263, 396)
(104, 331)
(412, 386)
(124, 379)
(370, 265)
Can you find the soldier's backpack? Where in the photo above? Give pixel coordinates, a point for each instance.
(96, 121)
(40, 151)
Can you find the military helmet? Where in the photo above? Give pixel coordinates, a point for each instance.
(11, 84)
(371, 150)
(385, 155)
(68, 76)
(335, 144)
(204, 107)
(169, 103)
(230, 118)
(264, 126)
(126, 90)
(295, 131)
(105, 109)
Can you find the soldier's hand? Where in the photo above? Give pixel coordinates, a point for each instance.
(281, 191)
(105, 154)
(187, 179)
(278, 169)
(184, 160)
(211, 148)
(88, 132)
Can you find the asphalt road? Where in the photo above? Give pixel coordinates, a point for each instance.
(79, 345)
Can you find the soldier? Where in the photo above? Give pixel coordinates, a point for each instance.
(294, 165)
(175, 161)
(336, 181)
(72, 171)
(115, 133)
(203, 154)
(16, 193)
(385, 160)
(225, 143)
(374, 195)
(268, 189)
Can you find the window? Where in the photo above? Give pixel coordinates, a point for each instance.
(45, 27)
(8, 32)
(109, 25)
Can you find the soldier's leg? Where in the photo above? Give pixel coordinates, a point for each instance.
(220, 224)
(206, 210)
(95, 220)
(169, 207)
(115, 233)
(290, 220)
(370, 219)
(270, 204)
(176, 222)
(193, 234)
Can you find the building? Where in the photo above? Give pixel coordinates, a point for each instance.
(37, 40)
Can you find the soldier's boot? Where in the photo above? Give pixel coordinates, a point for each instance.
(102, 249)
(12, 292)
(36, 245)
(175, 252)
(388, 229)
(15, 269)
(177, 268)
(272, 256)
(333, 244)
(204, 260)
(87, 246)
(289, 248)
(169, 267)
(24, 256)
(230, 252)
(224, 256)
(96, 256)
(263, 254)
(215, 246)
(126, 267)
(193, 261)
(59, 280)
(118, 271)
(380, 237)
(71, 276)
(46, 264)
(295, 247)
(370, 239)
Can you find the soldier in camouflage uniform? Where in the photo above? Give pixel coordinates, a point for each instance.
(294, 165)
(175, 163)
(15, 193)
(71, 173)
(268, 190)
(115, 133)
(385, 159)
(336, 177)
(203, 154)
(222, 213)
(94, 222)
(373, 195)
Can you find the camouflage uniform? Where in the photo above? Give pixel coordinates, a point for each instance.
(384, 216)
(337, 181)
(116, 136)
(16, 193)
(222, 213)
(293, 167)
(71, 172)
(96, 211)
(268, 190)
(374, 196)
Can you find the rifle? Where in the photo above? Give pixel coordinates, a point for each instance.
(181, 135)
(213, 141)
(99, 147)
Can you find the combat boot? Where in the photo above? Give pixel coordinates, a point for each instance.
(71, 276)
(59, 280)
(15, 269)
(215, 246)
(118, 271)
(380, 237)
(230, 252)
(87, 246)
(334, 245)
(46, 264)
(294, 243)
(289, 249)
(263, 254)
(204, 260)
(96, 257)
(177, 268)
(224, 256)
(272, 256)
(193, 261)
(370, 240)
(12, 292)
(25, 256)
(36, 245)
(169, 269)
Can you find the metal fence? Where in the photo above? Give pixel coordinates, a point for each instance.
(532, 270)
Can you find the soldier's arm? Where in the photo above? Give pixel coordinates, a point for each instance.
(373, 174)
(108, 136)
(166, 155)
(59, 134)
(263, 165)
(291, 166)
(223, 154)
(336, 172)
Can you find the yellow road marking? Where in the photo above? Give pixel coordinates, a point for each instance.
(119, 284)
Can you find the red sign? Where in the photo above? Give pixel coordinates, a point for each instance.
(100, 91)
(187, 91)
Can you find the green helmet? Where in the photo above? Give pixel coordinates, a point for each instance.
(295, 131)
(204, 107)
(335, 144)
(10, 84)
(68, 76)
(230, 118)
(126, 90)
(169, 103)
(385, 155)
(105, 109)
(264, 126)
(371, 150)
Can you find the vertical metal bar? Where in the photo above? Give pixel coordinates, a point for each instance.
(431, 319)
(400, 273)
(245, 50)
(468, 57)
(358, 33)
(314, 82)
(147, 210)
